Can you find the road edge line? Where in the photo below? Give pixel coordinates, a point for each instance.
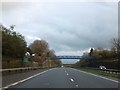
(96, 75)
(23, 80)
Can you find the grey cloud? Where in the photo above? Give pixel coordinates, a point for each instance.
(66, 26)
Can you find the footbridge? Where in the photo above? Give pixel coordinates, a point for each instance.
(74, 57)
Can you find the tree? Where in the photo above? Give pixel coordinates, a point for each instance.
(13, 44)
(12, 27)
(39, 46)
(116, 45)
(91, 50)
(13, 47)
(57, 62)
(50, 53)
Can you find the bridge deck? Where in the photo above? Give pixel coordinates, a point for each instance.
(73, 57)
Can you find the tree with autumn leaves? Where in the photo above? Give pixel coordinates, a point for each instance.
(41, 50)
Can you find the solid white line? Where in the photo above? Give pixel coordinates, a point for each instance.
(14, 84)
(72, 80)
(97, 75)
(25, 79)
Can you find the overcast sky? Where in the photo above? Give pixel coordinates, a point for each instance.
(70, 28)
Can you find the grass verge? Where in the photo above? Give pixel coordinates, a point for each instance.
(94, 71)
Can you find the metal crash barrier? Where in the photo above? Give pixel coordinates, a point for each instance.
(19, 70)
(114, 71)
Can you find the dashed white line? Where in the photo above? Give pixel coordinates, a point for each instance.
(72, 80)
(76, 85)
(67, 74)
(24, 79)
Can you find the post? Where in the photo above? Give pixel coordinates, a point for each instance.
(26, 57)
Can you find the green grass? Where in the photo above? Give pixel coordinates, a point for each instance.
(100, 73)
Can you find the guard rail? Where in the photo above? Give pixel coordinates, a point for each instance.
(114, 71)
(19, 70)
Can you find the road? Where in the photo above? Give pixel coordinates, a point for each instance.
(65, 78)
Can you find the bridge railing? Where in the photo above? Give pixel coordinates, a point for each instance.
(74, 57)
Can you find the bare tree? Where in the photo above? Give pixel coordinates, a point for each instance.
(116, 45)
(12, 27)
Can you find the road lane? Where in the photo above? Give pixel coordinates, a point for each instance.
(55, 78)
(66, 78)
(8, 79)
(86, 80)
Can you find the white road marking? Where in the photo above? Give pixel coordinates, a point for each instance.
(4, 88)
(76, 85)
(97, 75)
(66, 72)
(25, 79)
(72, 80)
(14, 84)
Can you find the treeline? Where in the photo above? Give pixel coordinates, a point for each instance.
(14, 48)
(13, 44)
(108, 58)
